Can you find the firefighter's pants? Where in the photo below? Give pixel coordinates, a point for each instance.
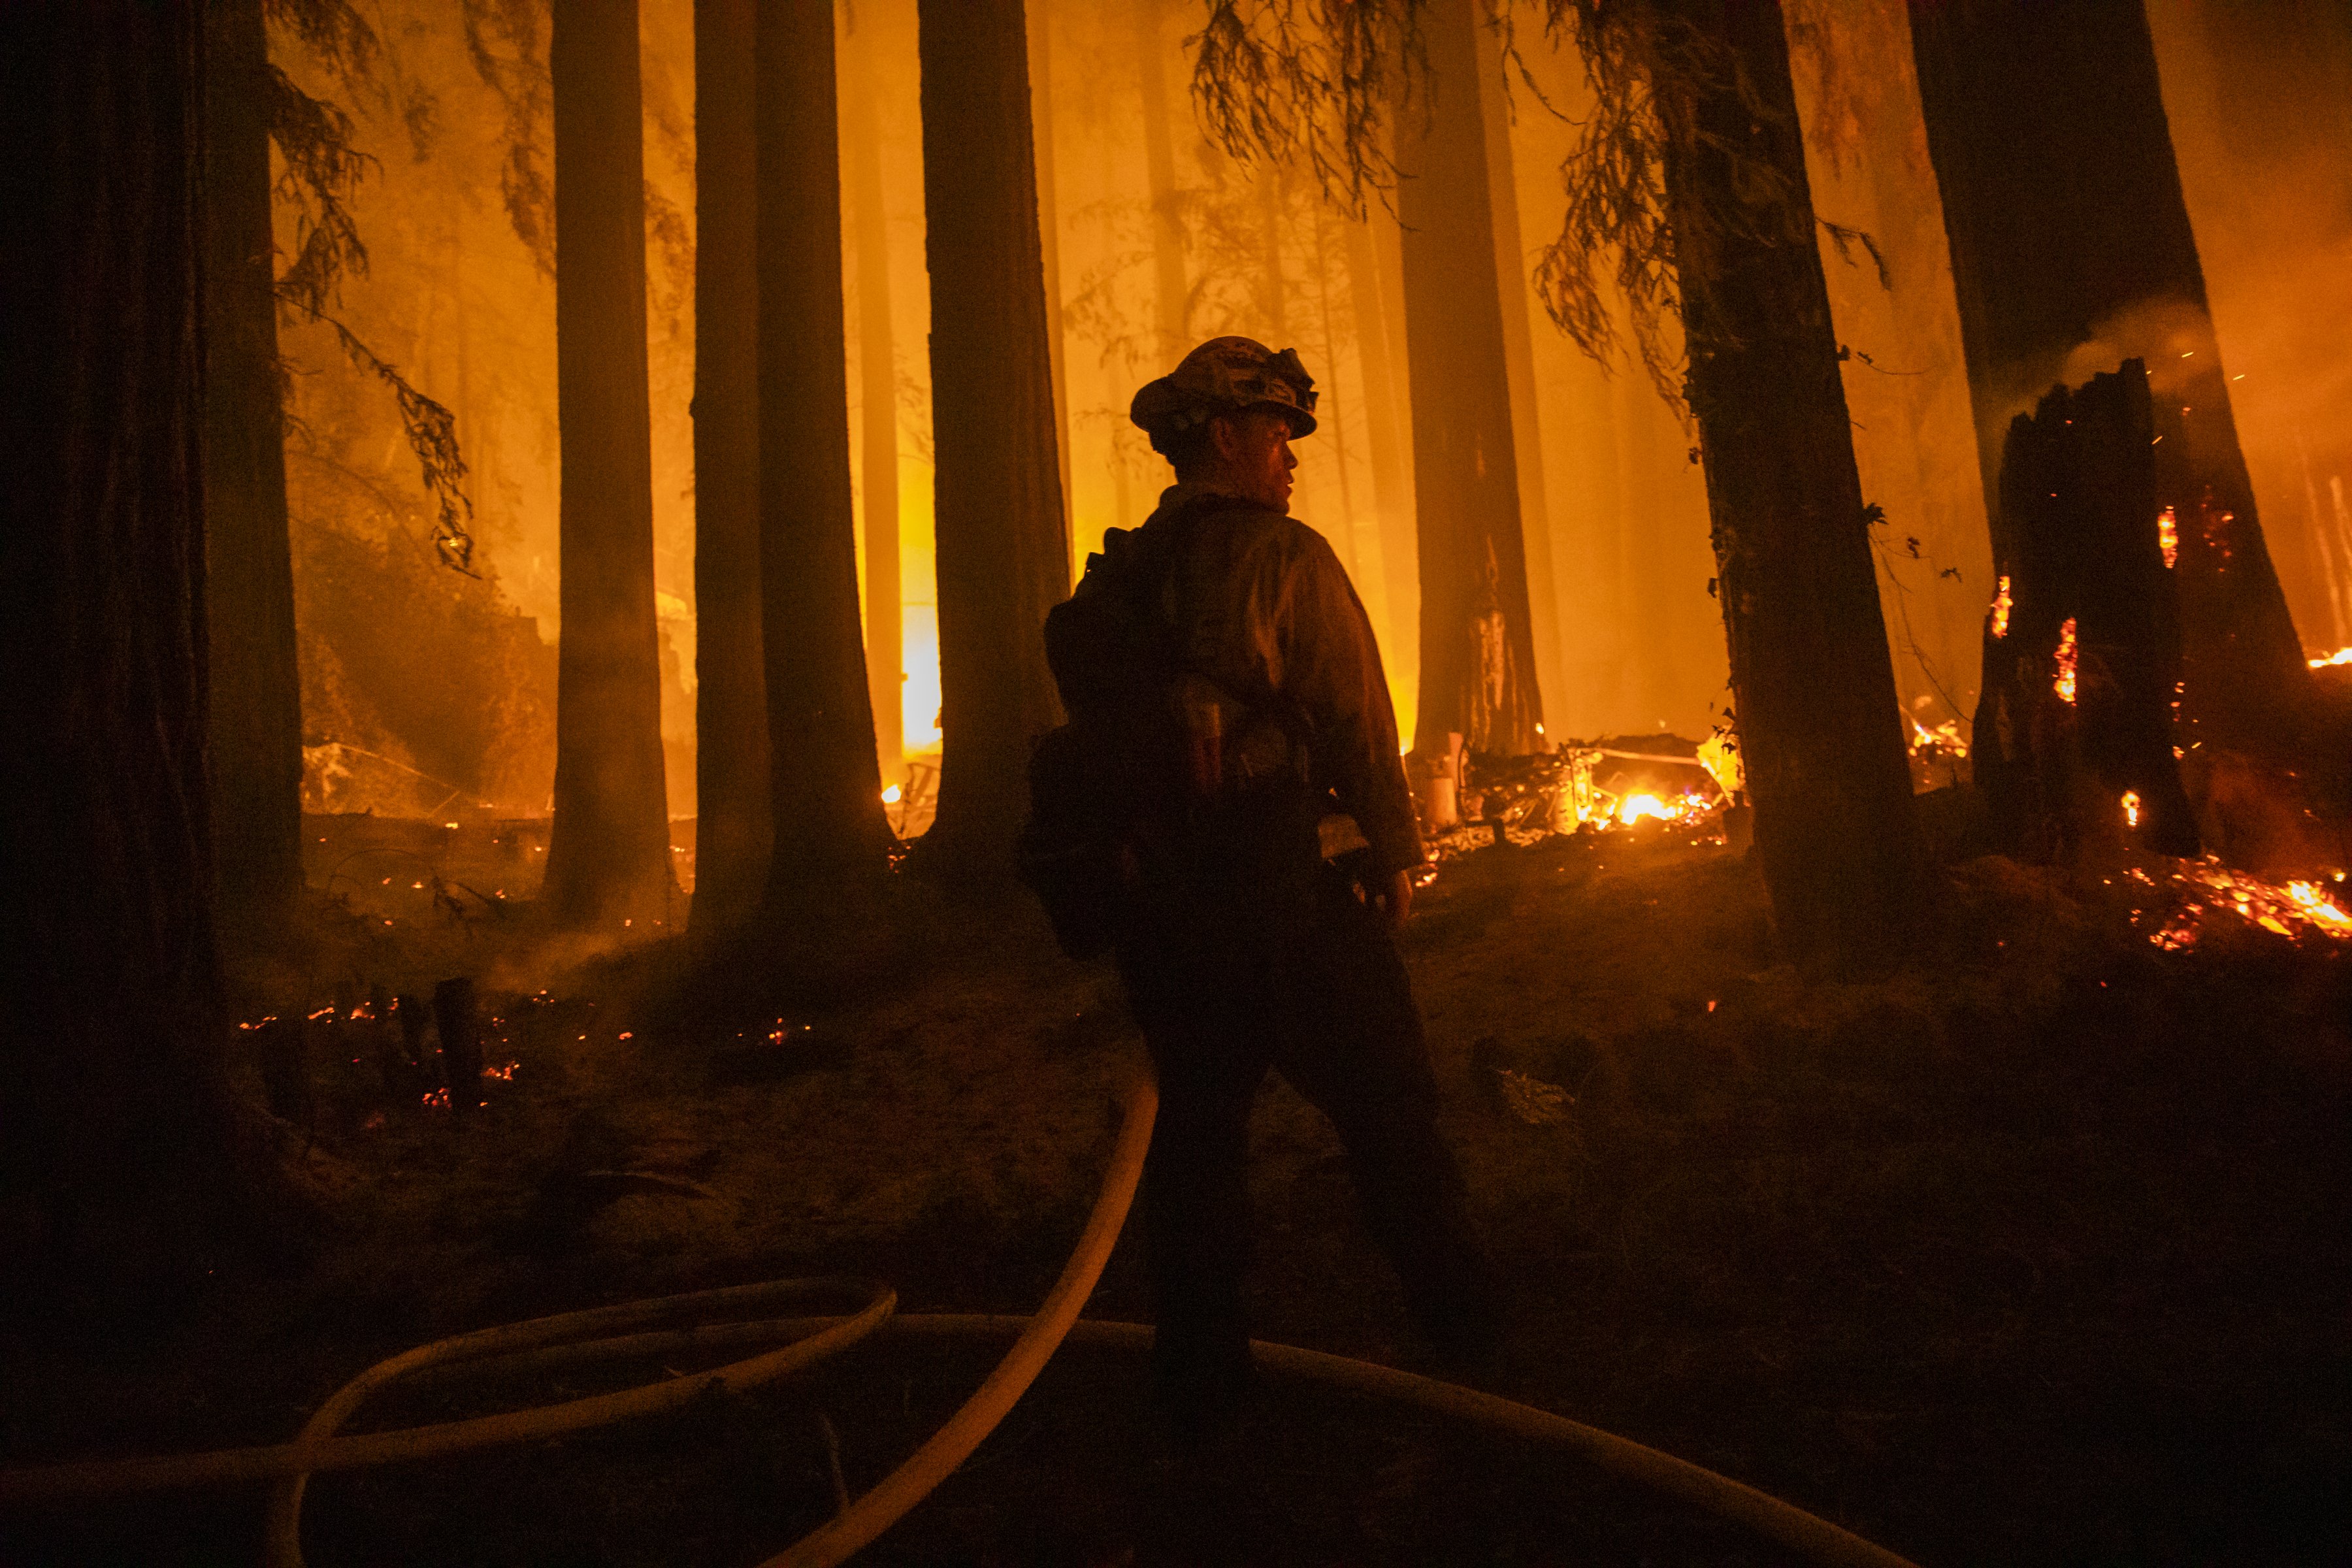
(1315, 988)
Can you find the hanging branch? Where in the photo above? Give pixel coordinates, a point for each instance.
(1311, 83)
(503, 37)
(322, 172)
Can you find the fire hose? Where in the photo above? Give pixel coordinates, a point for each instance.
(640, 1329)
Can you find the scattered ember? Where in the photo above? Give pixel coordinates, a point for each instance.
(2000, 604)
(504, 1072)
(2064, 683)
(2167, 535)
(1943, 740)
(437, 1101)
(2296, 909)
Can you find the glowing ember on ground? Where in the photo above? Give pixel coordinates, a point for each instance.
(2341, 656)
(2131, 808)
(1943, 740)
(2063, 685)
(2294, 909)
(2167, 535)
(2001, 610)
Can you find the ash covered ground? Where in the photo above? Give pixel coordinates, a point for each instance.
(2033, 1254)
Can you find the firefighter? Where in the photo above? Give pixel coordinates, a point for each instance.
(1265, 876)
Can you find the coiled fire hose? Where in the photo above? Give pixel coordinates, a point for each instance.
(637, 1329)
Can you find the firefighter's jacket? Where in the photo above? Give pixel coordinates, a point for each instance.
(1262, 609)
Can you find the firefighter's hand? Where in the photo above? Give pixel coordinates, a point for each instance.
(1396, 900)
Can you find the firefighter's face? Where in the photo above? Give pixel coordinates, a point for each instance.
(1254, 450)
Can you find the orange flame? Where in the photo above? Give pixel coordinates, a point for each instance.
(2131, 808)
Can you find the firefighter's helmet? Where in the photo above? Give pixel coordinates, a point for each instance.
(1226, 376)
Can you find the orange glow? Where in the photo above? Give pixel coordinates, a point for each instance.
(1638, 806)
(2000, 611)
(2168, 536)
(2064, 683)
(2341, 656)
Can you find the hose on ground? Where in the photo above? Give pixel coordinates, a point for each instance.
(640, 1328)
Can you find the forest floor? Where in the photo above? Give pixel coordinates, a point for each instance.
(2036, 1253)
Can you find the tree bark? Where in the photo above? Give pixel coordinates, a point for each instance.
(1814, 688)
(877, 362)
(256, 706)
(1003, 558)
(733, 826)
(1389, 429)
(2080, 250)
(608, 856)
(829, 826)
(118, 1155)
(2067, 725)
(1171, 299)
(1519, 364)
(1041, 101)
(1477, 649)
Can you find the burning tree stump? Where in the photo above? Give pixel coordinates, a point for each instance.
(461, 1041)
(2081, 648)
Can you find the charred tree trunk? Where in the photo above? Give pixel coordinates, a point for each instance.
(1477, 647)
(2083, 247)
(1003, 558)
(1388, 431)
(118, 1158)
(1813, 687)
(1041, 101)
(2074, 726)
(733, 823)
(1171, 299)
(877, 362)
(257, 703)
(829, 826)
(608, 857)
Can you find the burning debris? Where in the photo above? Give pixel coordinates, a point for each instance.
(2200, 890)
(1591, 788)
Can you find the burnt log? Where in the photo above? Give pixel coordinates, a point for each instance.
(459, 1022)
(2081, 647)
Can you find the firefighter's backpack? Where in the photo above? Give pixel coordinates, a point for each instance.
(1092, 779)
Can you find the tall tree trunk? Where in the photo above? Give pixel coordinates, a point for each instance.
(1041, 104)
(116, 1160)
(1003, 557)
(256, 707)
(1810, 675)
(829, 826)
(1477, 649)
(1519, 365)
(734, 826)
(1389, 432)
(608, 857)
(1170, 301)
(2081, 249)
(878, 364)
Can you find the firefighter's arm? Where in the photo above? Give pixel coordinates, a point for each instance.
(1331, 673)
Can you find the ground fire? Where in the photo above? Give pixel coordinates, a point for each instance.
(1177, 782)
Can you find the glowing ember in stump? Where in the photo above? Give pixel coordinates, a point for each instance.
(2064, 683)
(2001, 610)
(2131, 808)
(2167, 535)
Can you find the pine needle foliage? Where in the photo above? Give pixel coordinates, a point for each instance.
(507, 40)
(1312, 83)
(321, 172)
(1322, 83)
